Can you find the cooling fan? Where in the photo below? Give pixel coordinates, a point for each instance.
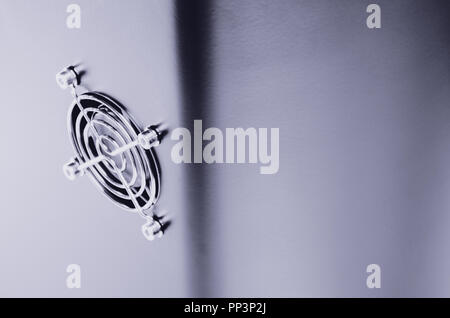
(112, 150)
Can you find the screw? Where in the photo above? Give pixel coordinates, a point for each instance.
(152, 229)
(149, 138)
(68, 77)
(72, 169)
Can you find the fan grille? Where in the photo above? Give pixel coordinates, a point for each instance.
(98, 126)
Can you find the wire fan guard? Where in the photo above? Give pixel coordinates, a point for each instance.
(98, 127)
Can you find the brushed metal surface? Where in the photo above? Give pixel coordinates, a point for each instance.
(364, 134)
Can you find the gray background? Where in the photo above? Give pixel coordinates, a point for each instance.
(364, 122)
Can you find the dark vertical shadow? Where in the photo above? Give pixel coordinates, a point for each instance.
(193, 28)
(431, 141)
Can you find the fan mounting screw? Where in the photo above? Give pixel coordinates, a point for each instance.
(149, 138)
(72, 169)
(152, 229)
(68, 77)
